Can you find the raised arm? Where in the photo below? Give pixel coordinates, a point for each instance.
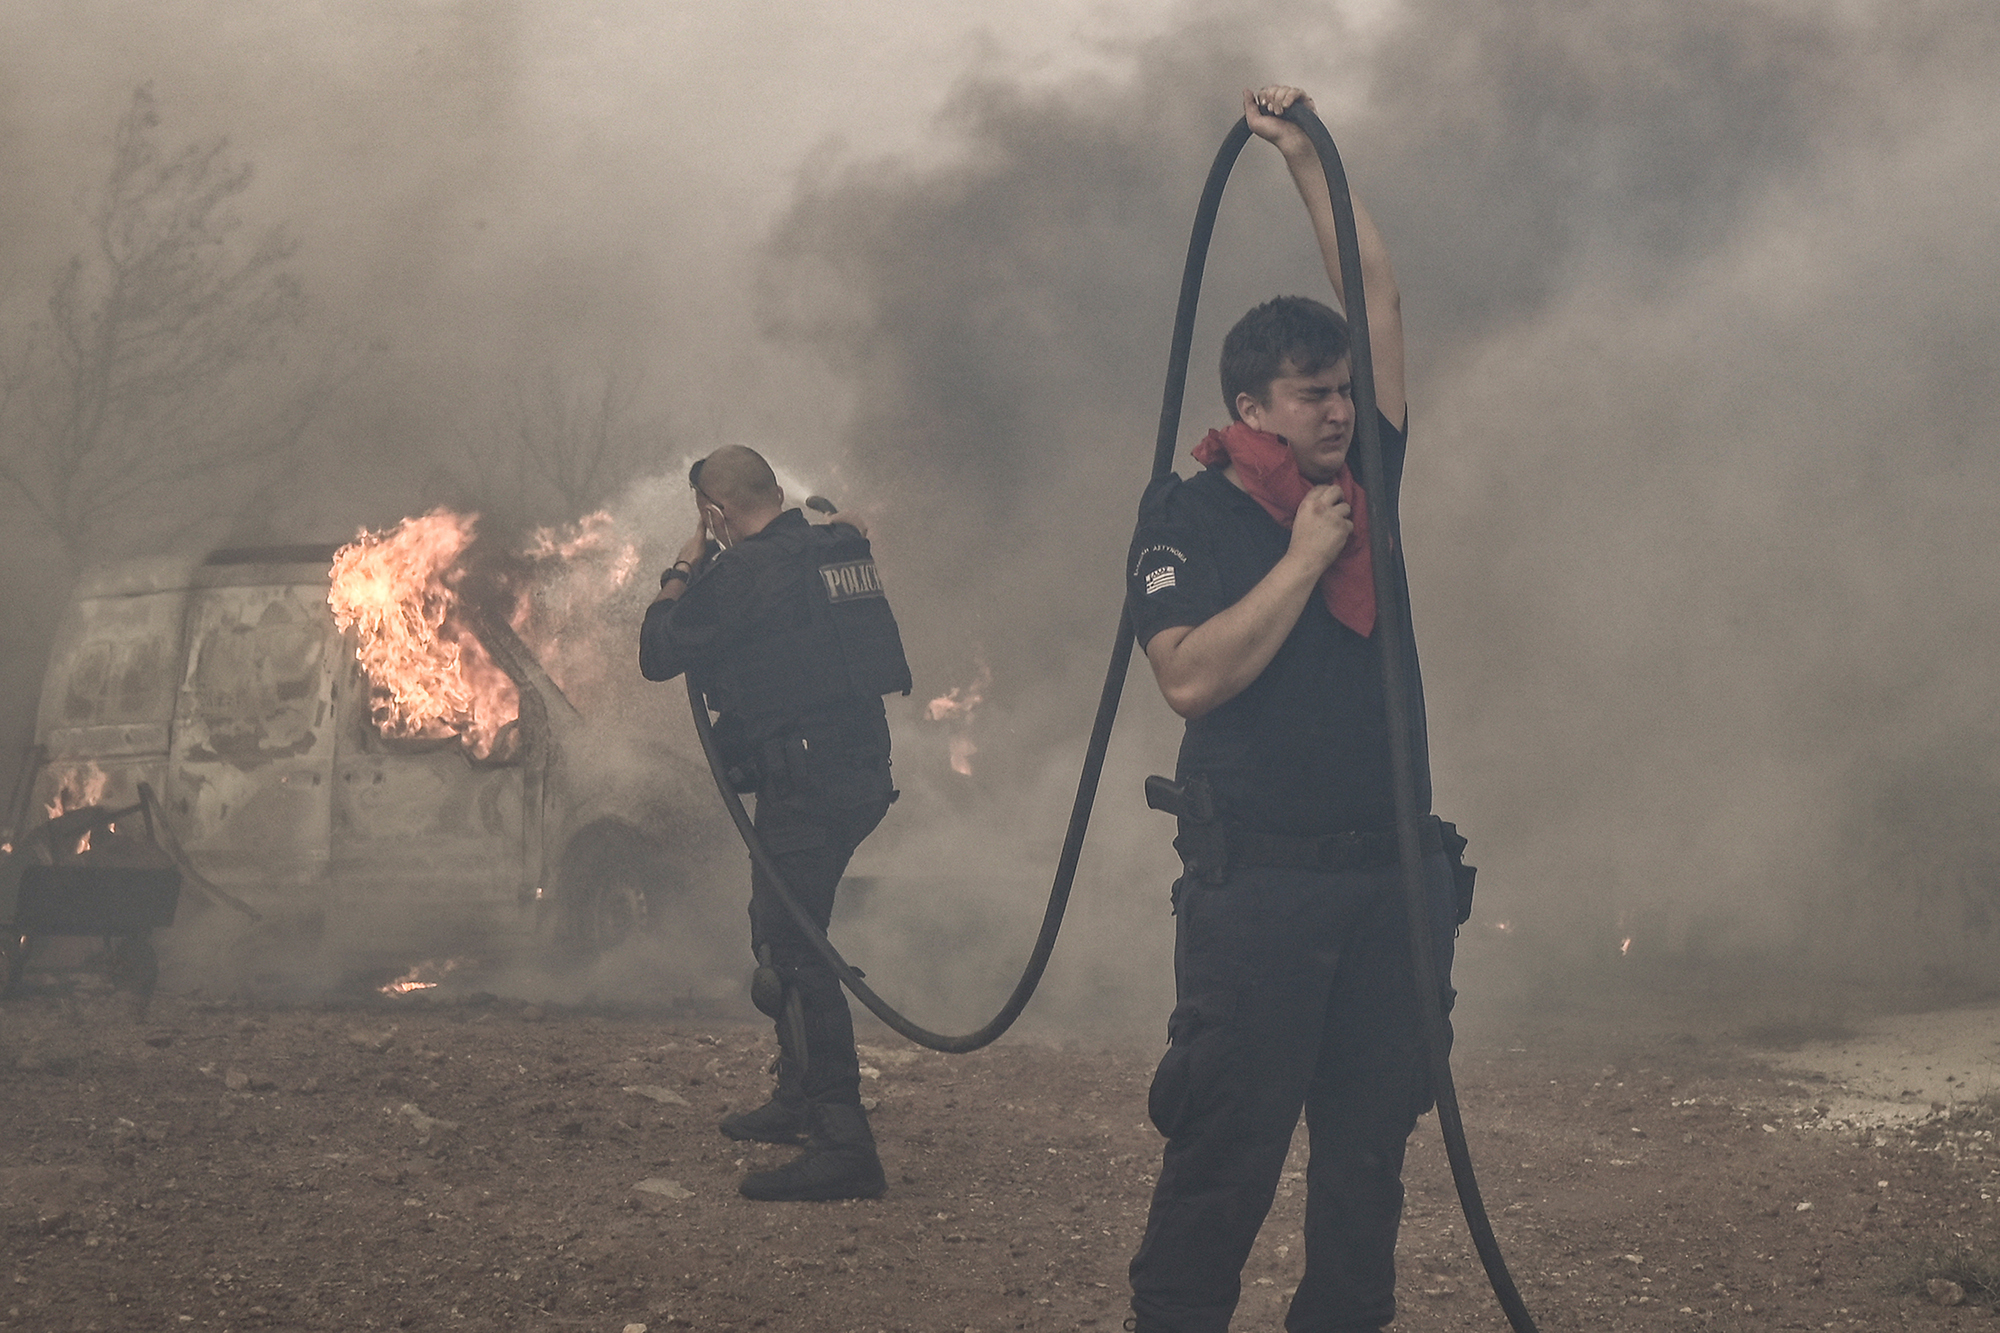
(1263, 109)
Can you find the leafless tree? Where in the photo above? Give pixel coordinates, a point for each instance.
(156, 394)
(566, 441)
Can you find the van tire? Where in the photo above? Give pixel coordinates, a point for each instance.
(612, 884)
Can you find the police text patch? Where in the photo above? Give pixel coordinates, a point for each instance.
(851, 580)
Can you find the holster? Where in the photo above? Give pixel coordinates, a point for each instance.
(741, 762)
(1461, 873)
(1211, 847)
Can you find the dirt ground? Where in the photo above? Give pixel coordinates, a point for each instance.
(437, 1162)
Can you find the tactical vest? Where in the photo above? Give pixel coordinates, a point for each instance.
(819, 630)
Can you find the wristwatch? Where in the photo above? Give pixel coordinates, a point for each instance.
(677, 570)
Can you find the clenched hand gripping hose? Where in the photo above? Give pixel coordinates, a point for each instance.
(1402, 761)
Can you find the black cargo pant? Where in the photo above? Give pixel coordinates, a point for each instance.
(811, 815)
(1294, 990)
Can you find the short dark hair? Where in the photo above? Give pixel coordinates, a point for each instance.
(1287, 335)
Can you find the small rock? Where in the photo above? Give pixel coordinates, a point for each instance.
(159, 1041)
(532, 1014)
(1945, 1292)
(882, 1055)
(635, 1328)
(236, 1080)
(311, 1085)
(658, 1094)
(672, 1189)
(377, 1042)
(426, 1125)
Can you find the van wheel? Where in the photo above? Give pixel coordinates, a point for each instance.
(612, 886)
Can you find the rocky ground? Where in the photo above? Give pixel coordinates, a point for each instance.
(436, 1162)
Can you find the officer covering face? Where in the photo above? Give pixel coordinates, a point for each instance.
(786, 631)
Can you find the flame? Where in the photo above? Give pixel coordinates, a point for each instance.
(956, 708)
(78, 787)
(958, 705)
(429, 676)
(564, 617)
(590, 535)
(1625, 946)
(415, 980)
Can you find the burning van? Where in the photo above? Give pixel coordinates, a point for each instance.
(386, 771)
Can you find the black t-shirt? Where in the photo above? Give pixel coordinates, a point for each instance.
(1304, 749)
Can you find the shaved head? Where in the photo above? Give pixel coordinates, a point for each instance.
(737, 475)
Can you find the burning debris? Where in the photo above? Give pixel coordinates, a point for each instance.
(78, 788)
(427, 975)
(429, 676)
(955, 709)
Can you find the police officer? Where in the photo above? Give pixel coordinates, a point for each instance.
(785, 630)
(1252, 591)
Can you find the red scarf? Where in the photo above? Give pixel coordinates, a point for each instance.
(1270, 474)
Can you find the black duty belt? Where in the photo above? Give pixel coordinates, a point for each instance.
(1212, 846)
(1223, 847)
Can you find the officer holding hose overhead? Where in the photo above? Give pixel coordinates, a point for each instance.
(1251, 589)
(786, 632)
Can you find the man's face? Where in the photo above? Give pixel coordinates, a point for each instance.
(1313, 413)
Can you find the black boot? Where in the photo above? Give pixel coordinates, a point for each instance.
(840, 1163)
(784, 1118)
(777, 1121)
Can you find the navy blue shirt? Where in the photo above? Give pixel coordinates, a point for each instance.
(1304, 749)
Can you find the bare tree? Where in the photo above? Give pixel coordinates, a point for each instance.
(565, 443)
(156, 394)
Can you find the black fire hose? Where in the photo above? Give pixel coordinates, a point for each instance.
(1402, 762)
(1045, 943)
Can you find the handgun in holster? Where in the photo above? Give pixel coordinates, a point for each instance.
(1203, 840)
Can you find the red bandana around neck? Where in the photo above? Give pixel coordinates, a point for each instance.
(1270, 474)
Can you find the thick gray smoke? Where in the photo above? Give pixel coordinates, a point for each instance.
(1701, 336)
(1702, 345)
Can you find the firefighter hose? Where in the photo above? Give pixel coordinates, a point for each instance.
(1402, 761)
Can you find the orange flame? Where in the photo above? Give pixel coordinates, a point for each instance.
(955, 708)
(429, 676)
(416, 980)
(77, 788)
(577, 569)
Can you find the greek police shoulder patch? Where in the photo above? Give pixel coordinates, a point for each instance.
(851, 580)
(1158, 566)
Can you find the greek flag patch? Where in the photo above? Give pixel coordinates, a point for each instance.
(1161, 578)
